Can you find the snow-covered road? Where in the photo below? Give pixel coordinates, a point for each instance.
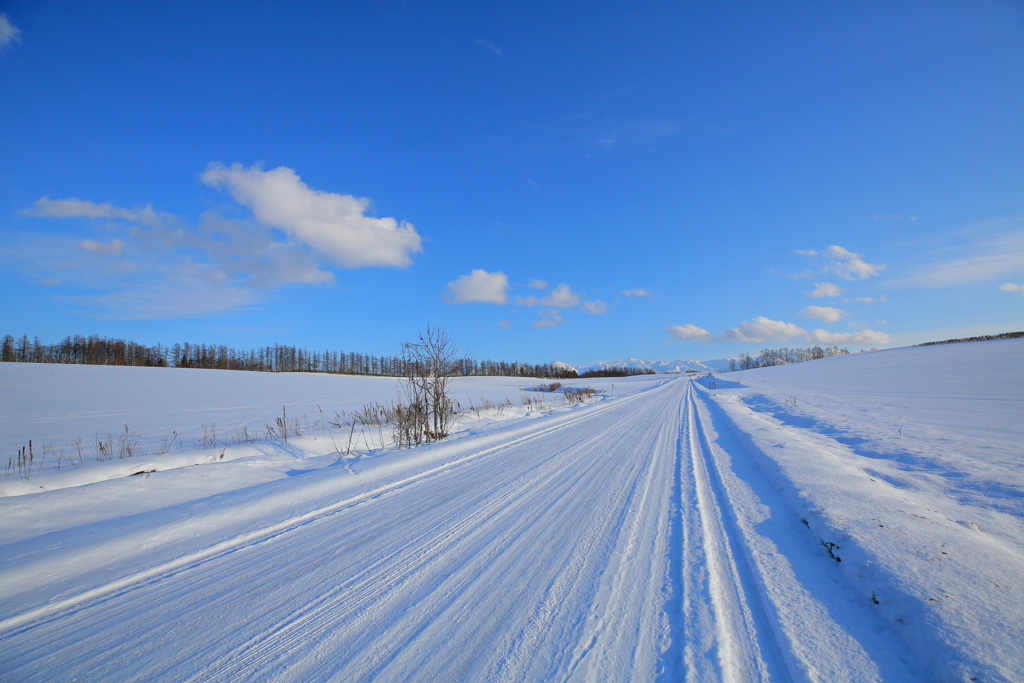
(611, 543)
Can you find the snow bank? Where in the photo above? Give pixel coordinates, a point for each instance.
(908, 464)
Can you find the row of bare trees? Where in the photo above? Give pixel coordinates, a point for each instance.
(96, 350)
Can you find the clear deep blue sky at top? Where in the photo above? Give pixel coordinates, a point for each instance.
(549, 181)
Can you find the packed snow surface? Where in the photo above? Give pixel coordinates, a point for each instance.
(853, 518)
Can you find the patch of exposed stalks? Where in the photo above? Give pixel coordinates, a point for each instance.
(401, 423)
(574, 396)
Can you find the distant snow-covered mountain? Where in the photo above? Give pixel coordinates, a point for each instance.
(659, 366)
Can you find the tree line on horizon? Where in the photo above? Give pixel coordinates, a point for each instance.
(984, 337)
(97, 350)
(784, 356)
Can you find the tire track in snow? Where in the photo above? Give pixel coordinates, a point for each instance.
(569, 479)
(746, 647)
(392, 572)
(642, 567)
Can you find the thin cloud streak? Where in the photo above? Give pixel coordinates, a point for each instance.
(988, 259)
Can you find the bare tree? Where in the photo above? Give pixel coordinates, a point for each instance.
(430, 362)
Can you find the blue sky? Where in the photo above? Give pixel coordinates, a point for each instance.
(549, 181)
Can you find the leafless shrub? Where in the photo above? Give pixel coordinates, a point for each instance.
(430, 364)
(580, 395)
(411, 425)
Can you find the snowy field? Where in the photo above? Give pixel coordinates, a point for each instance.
(853, 518)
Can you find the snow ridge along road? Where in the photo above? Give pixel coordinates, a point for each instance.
(611, 543)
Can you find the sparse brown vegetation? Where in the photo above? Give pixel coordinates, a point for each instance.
(574, 396)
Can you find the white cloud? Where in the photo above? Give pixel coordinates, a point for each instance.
(553, 319)
(690, 332)
(987, 259)
(849, 265)
(479, 286)
(114, 248)
(1012, 287)
(596, 307)
(561, 296)
(505, 323)
(859, 338)
(762, 329)
(9, 33)
(81, 208)
(807, 252)
(639, 291)
(826, 313)
(537, 284)
(825, 290)
(335, 225)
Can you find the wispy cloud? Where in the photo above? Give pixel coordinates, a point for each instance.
(479, 286)
(537, 284)
(9, 33)
(488, 45)
(988, 258)
(82, 208)
(561, 296)
(113, 248)
(551, 319)
(849, 265)
(826, 313)
(897, 216)
(126, 286)
(335, 225)
(596, 307)
(859, 338)
(637, 292)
